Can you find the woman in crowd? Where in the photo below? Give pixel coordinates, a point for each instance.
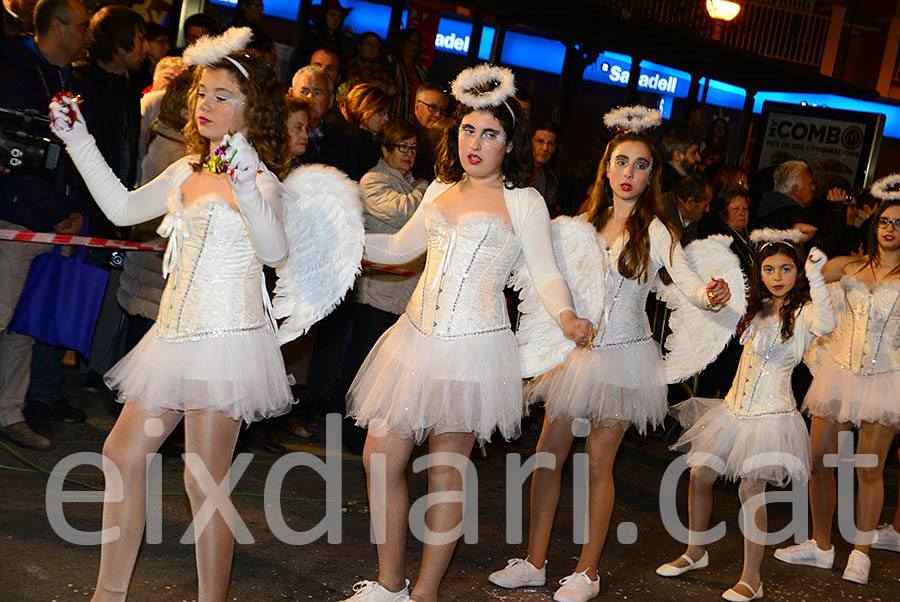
(297, 127)
(368, 109)
(390, 196)
(366, 66)
(787, 311)
(409, 72)
(619, 380)
(165, 138)
(448, 371)
(856, 384)
(212, 357)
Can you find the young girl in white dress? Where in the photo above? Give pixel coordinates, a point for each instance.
(448, 371)
(788, 310)
(857, 384)
(212, 357)
(618, 381)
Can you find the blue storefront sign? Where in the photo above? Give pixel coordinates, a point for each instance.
(615, 69)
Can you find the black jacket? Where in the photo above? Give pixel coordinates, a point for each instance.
(778, 210)
(333, 149)
(36, 199)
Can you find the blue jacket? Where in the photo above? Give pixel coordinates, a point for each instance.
(35, 199)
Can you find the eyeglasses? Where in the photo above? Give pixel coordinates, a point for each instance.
(884, 222)
(433, 108)
(405, 148)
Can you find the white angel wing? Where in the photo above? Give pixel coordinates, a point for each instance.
(542, 344)
(324, 226)
(698, 336)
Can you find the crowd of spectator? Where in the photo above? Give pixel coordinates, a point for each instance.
(367, 108)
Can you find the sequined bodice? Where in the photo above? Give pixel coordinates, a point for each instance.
(868, 339)
(214, 288)
(762, 384)
(467, 266)
(624, 320)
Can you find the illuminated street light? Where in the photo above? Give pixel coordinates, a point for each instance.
(722, 9)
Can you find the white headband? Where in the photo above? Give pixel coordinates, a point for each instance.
(239, 66)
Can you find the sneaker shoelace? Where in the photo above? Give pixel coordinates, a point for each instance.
(573, 576)
(516, 563)
(364, 587)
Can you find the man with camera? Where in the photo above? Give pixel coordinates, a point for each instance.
(35, 188)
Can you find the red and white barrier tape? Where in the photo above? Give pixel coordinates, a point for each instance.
(128, 245)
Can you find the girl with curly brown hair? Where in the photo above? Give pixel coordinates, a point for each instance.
(756, 435)
(448, 371)
(211, 357)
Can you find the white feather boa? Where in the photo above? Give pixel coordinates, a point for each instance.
(542, 344)
(324, 226)
(697, 338)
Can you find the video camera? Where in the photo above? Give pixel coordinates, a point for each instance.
(22, 143)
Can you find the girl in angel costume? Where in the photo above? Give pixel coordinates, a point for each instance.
(610, 261)
(856, 383)
(756, 434)
(213, 357)
(448, 370)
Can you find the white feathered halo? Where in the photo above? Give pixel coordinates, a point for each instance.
(636, 118)
(324, 226)
(209, 50)
(698, 336)
(764, 236)
(484, 86)
(542, 344)
(887, 188)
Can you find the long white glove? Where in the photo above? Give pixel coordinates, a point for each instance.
(67, 122)
(244, 162)
(815, 263)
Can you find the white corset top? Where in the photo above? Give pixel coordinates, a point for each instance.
(467, 265)
(868, 340)
(214, 288)
(624, 320)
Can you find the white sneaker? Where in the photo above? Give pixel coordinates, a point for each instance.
(577, 587)
(807, 553)
(519, 573)
(886, 538)
(858, 565)
(372, 591)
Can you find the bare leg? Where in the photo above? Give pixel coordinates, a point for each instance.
(896, 521)
(753, 552)
(602, 445)
(125, 451)
(700, 501)
(824, 440)
(212, 436)
(874, 438)
(444, 517)
(387, 455)
(556, 438)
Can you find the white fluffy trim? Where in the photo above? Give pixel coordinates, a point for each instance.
(770, 235)
(887, 188)
(698, 335)
(635, 118)
(324, 226)
(484, 86)
(209, 50)
(542, 344)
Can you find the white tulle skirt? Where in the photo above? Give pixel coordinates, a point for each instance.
(242, 375)
(846, 397)
(773, 448)
(607, 385)
(413, 384)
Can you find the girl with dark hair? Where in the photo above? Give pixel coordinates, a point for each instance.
(617, 381)
(448, 371)
(212, 357)
(855, 385)
(756, 434)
